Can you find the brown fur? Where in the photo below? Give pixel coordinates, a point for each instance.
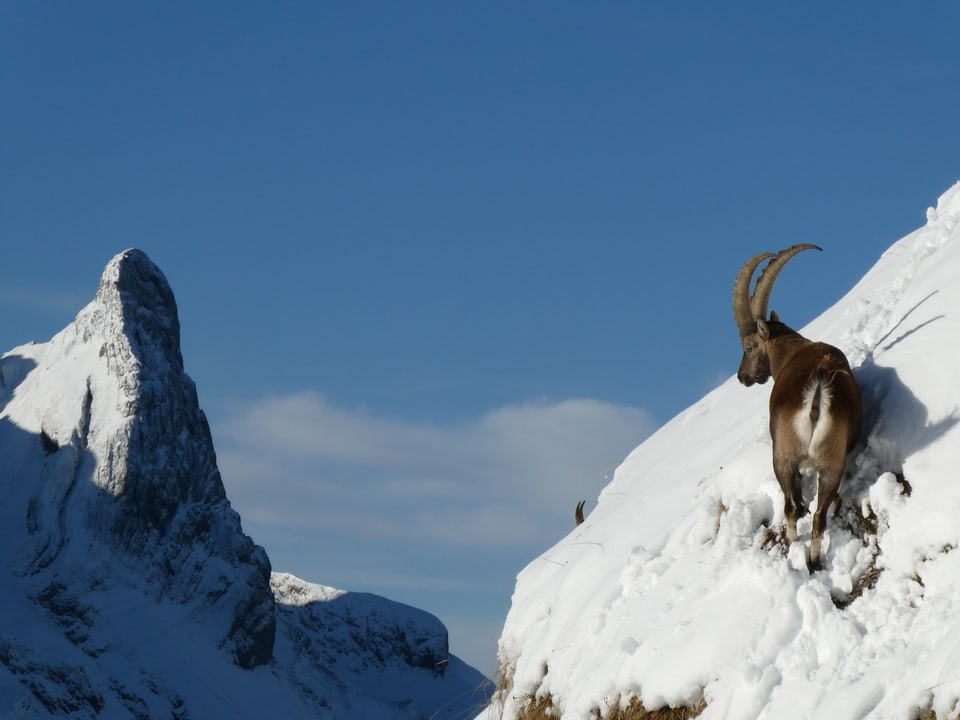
(799, 366)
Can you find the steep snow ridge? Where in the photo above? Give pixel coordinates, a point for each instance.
(132, 590)
(677, 588)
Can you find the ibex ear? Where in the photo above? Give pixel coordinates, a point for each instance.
(762, 330)
(774, 317)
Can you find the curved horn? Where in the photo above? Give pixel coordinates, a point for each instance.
(761, 294)
(746, 320)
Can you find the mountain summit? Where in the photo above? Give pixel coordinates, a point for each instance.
(132, 589)
(678, 590)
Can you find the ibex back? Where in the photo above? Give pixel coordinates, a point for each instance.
(815, 405)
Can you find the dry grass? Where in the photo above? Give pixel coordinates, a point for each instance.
(865, 528)
(867, 581)
(544, 709)
(636, 711)
(541, 709)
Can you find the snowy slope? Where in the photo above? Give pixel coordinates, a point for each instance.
(677, 590)
(128, 586)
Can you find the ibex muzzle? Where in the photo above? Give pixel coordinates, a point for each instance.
(815, 404)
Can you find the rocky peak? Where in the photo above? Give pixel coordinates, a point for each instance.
(134, 304)
(132, 590)
(129, 458)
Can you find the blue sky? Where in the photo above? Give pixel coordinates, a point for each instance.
(441, 265)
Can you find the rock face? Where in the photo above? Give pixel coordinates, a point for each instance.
(133, 591)
(379, 651)
(359, 630)
(130, 464)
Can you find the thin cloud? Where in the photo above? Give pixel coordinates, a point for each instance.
(45, 301)
(439, 517)
(299, 460)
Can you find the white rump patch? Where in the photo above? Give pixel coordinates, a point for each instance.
(810, 433)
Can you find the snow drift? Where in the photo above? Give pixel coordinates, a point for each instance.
(130, 587)
(678, 589)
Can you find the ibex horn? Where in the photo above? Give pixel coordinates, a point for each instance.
(746, 320)
(747, 309)
(768, 276)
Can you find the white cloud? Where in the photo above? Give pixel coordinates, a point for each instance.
(439, 517)
(41, 300)
(297, 460)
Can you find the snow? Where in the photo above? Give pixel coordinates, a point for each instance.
(129, 588)
(677, 588)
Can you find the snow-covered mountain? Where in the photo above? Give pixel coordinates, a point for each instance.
(677, 590)
(129, 588)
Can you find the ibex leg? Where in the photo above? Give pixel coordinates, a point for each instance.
(788, 475)
(828, 486)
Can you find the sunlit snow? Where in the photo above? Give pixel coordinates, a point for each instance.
(129, 588)
(678, 588)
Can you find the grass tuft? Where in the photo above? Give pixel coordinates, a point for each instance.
(543, 708)
(636, 711)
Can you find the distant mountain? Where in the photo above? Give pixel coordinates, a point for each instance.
(130, 589)
(678, 591)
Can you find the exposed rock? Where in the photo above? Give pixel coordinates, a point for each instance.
(146, 446)
(133, 590)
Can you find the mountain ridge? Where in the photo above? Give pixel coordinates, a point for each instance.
(133, 590)
(678, 590)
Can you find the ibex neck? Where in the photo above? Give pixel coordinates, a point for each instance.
(780, 350)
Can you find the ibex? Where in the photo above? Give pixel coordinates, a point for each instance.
(815, 405)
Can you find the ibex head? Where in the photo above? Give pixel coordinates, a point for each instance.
(750, 312)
